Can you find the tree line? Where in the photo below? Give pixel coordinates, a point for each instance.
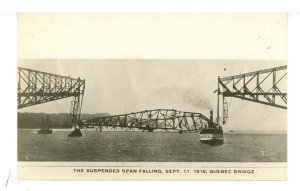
(56, 120)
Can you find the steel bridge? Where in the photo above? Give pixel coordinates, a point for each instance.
(264, 86)
(150, 120)
(36, 87)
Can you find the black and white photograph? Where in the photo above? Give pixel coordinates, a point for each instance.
(83, 99)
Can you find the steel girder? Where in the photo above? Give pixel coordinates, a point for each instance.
(264, 86)
(150, 120)
(239, 86)
(36, 87)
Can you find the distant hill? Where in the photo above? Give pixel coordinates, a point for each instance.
(57, 120)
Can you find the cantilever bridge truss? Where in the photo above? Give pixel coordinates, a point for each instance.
(264, 86)
(36, 87)
(150, 120)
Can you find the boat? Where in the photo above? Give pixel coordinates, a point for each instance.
(75, 133)
(213, 134)
(46, 129)
(147, 128)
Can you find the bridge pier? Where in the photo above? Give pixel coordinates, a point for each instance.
(76, 132)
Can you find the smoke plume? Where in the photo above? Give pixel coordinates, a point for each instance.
(184, 95)
(197, 99)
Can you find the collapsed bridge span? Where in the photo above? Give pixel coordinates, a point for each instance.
(150, 120)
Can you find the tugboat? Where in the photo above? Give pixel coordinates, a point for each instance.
(213, 135)
(46, 127)
(147, 128)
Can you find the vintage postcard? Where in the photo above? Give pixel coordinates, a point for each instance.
(152, 96)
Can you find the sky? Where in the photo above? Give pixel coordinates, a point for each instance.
(133, 62)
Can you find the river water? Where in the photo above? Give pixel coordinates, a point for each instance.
(149, 147)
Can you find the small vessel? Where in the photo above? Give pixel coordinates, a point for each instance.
(75, 133)
(45, 131)
(46, 128)
(213, 134)
(147, 128)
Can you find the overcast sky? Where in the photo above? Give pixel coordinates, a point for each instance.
(88, 46)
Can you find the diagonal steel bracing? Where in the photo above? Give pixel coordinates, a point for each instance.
(150, 120)
(264, 86)
(36, 87)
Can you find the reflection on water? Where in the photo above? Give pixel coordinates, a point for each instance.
(150, 147)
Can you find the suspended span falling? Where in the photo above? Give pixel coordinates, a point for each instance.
(150, 120)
